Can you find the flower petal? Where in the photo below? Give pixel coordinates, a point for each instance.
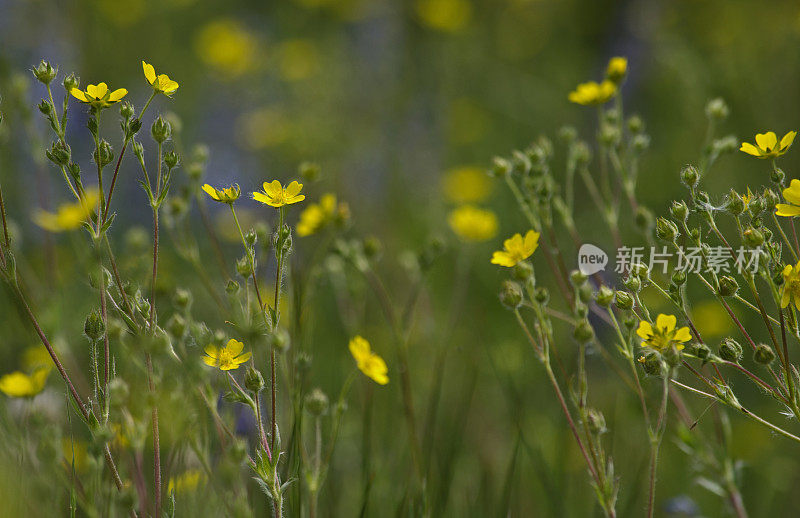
(645, 330)
(789, 211)
(234, 347)
(118, 94)
(767, 141)
(750, 149)
(79, 95)
(211, 362)
(149, 72)
(503, 259)
(211, 351)
(242, 358)
(787, 140)
(666, 322)
(683, 335)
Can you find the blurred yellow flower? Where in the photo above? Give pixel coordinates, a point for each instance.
(471, 223)
(467, 184)
(767, 145)
(790, 292)
(792, 195)
(263, 127)
(35, 357)
(98, 96)
(617, 69)
(711, 318)
(225, 195)
(228, 357)
(275, 195)
(227, 46)
(19, 384)
(298, 59)
(516, 249)
(160, 83)
(69, 215)
(186, 482)
(593, 93)
(318, 215)
(664, 334)
(368, 362)
(444, 15)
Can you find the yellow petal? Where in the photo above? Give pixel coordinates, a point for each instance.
(149, 72)
(359, 348)
(783, 209)
(767, 141)
(787, 140)
(234, 347)
(118, 94)
(645, 330)
(243, 358)
(792, 193)
(78, 94)
(683, 335)
(503, 259)
(211, 351)
(531, 241)
(100, 90)
(666, 322)
(210, 191)
(211, 362)
(750, 149)
(296, 199)
(263, 198)
(293, 189)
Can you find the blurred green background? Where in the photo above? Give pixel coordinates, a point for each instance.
(387, 96)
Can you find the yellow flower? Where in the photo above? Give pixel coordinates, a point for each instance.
(298, 59)
(792, 195)
(227, 46)
(747, 198)
(467, 184)
(368, 362)
(35, 357)
(767, 145)
(275, 195)
(516, 249)
(19, 384)
(790, 292)
(617, 69)
(98, 96)
(471, 223)
(592, 93)
(663, 335)
(444, 15)
(160, 83)
(187, 481)
(226, 358)
(69, 215)
(317, 215)
(225, 195)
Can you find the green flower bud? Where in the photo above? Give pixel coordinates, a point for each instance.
(577, 278)
(585, 293)
(623, 300)
(727, 286)
(605, 296)
(679, 278)
(280, 339)
(161, 130)
(71, 81)
(753, 238)
(243, 267)
(581, 310)
(690, 177)
(171, 159)
(316, 403)
(500, 167)
(126, 110)
(232, 288)
(771, 198)
(730, 350)
(45, 107)
(777, 176)
(700, 350)
(651, 363)
(45, 73)
(541, 295)
(633, 283)
(640, 142)
(567, 133)
(596, 421)
(94, 327)
(182, 299)
(372, 247)
(59, 153)
(679, 210)
(666, 230)
(757, 206)
(511, 295)
(635, 124)
(735, 203)
(310, 171)
(763, 354)
(630, 321)
(253, 380)
(303, 361)
(104, 154)
(640, 270)
(583, 331)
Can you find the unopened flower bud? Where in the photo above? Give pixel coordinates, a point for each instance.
(94, 327)
(763, 354)
(727, 286)
(651, 363)
(59, 153)
(317, 403)
(735, 203)
(541, 295)
(44, 72)
(666, 230)
(511, 295)
(635, 124)
(280, 339)
(605, 296)
(690, 176)
(126, 110)
(71, 81)
(679, 277)
(753, 238)
(182, 299)
(596, 421)
(243, 267)
(633, 283)
(730, 350)
(583, 331)
(253, 380)
(623, 300)
(578, 278)
(232, 288)
(161, 130)
(522, 271)
(171, 159)
(310, 171)
(716, 109)
(777, 176)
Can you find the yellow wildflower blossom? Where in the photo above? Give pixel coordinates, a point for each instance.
(275, 195)
(161, 82)
(444, 15)
(790, 291)
(185, 482)
(228, 357)
(663, 335)
(227, 46)
(98, 96)
(516, 249)
(747, 198)
(368, 362)
(298, 59)
(617, 69)
(593, 93)
(318, 215)
(471, 223)
(467, 184)
(792, 195)
(19, 384)
(69, 215)
(225, 195)
(767, 145)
